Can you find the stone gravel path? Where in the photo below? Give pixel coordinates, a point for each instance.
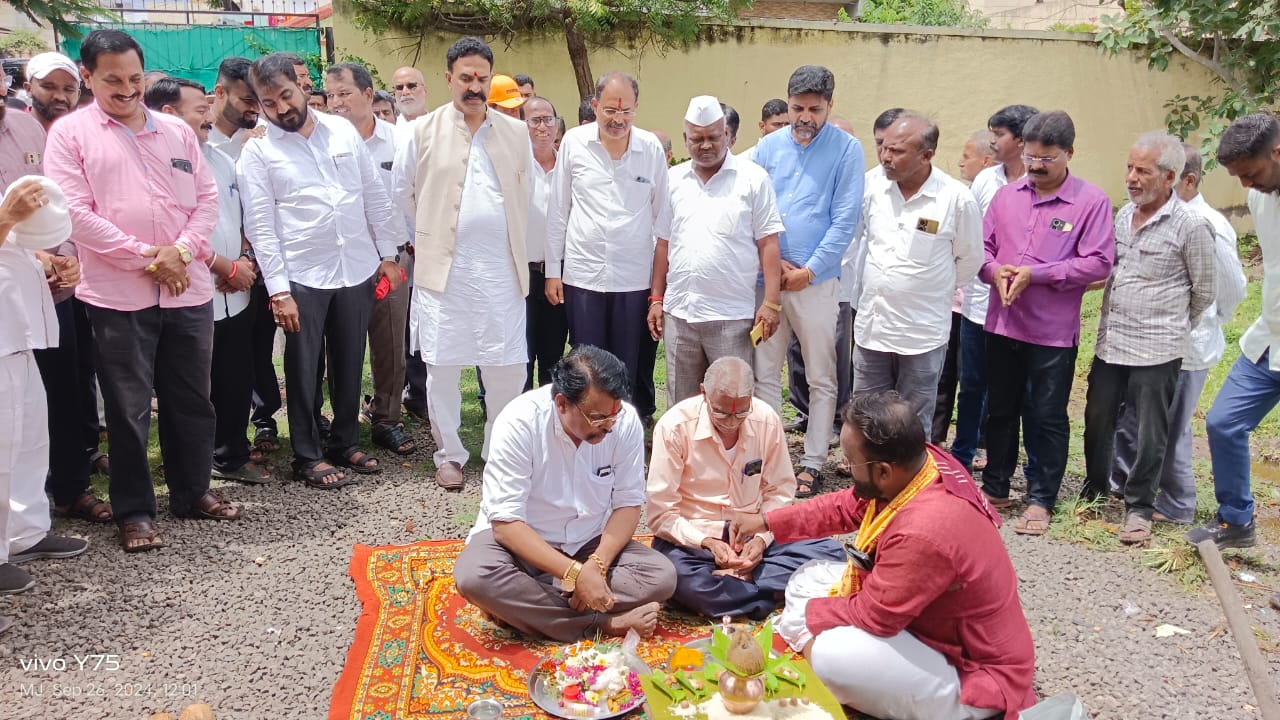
(255, 617)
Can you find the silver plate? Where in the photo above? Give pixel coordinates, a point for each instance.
(542, 695)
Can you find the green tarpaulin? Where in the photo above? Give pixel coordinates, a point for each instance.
(194, 51)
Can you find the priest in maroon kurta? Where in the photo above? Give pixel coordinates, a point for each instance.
(932, 626)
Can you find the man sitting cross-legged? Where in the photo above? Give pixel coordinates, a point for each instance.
(551, 553)
(715, 454)
(924, 621)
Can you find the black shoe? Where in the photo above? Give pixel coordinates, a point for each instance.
(52, 547)
(1224, 534)
(800, 424)
(14, 580)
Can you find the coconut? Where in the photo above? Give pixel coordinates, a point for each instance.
(745, 654)
(199, 711)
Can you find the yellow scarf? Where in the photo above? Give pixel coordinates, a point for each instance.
(873, 525)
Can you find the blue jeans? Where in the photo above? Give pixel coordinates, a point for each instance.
(1250, 391)
(971, 401)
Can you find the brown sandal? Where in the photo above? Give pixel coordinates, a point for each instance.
(212, 507)
(141, 536)
(1032, 522)
(87, 507)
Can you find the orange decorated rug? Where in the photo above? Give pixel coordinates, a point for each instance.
(421, 652)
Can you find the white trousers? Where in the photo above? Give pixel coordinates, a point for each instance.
(502, 384)
(894, 678)
(24, 455)
(811, 314)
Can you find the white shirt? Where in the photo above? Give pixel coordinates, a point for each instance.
(855, 256)
(919, 250)
(1207, 343)
(225, 238)
(382, 146)
(536, 237)
(564, 492)
(977, 293)
(602, 213)
(749, 154)
(28, 321)
(479, 318)
(1265, 209)
(309, 205)
(713, 256)
(231, 145)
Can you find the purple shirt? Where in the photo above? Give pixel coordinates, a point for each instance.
(21, 147)
(1068, 241)
(127, 192)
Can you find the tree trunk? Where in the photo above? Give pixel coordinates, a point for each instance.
(578, 58)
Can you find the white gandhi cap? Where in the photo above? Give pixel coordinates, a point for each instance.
(704, 110)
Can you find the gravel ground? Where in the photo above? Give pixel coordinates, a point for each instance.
(255, 617)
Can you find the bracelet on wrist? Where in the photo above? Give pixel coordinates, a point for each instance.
(281, 296)
(655, 298)
(604, 570)
(776, 307)
(235, 268)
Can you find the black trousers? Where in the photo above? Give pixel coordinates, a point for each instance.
(335, 321)
(231, 388)
(546, 328)
(613, 321)
(643, 394)
(415, 371)
(69, 383)
(945, 406)
(170, 350)
(266, 386)
(1149, 391)
(1035, 379)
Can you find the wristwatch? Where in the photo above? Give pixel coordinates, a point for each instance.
(185, 254)
(570, 579)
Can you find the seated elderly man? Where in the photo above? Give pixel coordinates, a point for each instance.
(551, 553)
(715, 454)
(924, 621)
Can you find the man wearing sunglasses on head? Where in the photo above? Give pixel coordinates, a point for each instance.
(923, 621)
(715, 454)
(551, 552)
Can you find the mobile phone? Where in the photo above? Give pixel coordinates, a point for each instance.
(757, 334)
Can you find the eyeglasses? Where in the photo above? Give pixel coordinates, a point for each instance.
(600, 422)
(542, 121)
(726, 414)
(407, 86)
(612, 113)
(1041, 159)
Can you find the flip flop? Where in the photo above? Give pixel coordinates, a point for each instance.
(1032, 524)
(808, 487)
(315, 478)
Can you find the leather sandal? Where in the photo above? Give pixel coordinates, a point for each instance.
(1033, 522)
(140, 536)
(393, 438)
(357, 460)
(86, 507)
(808, 483)
(212, 507)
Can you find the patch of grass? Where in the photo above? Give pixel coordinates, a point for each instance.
(1174, 556)
(1080, 521)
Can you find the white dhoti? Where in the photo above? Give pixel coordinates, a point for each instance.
(478, 319)
(894, 678)
(24, 454)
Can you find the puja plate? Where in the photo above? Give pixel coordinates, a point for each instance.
(545, 697)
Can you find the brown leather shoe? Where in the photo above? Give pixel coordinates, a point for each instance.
(449, 476)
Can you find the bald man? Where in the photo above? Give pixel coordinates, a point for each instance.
(410, 88)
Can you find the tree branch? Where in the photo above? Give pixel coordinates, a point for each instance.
(1213, 65)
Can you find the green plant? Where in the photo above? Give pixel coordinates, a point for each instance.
(1081, 27)
(21, 43)
(63, 15)
(938, 13)
(843, 15)
(1080, 521)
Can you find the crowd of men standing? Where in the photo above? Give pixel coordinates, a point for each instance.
(483, 234)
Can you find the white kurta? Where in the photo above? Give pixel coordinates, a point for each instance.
(479, 317)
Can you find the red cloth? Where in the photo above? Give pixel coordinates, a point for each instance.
(941, 573)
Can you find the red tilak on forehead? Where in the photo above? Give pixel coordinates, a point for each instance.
(619, 103)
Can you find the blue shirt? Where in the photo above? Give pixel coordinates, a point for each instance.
(819, 191)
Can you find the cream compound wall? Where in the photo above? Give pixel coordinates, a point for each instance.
(959, 77)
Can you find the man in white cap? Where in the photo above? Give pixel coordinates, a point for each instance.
(722, 233)
(53, 82)
(27, 324)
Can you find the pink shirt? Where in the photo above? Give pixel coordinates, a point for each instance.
(695, 486)
(128, 192)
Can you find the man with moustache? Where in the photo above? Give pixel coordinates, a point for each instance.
(551, 553)
(817, 174)
(546, 326)
(923, 621)
(146, 283)
(231, 380)
(463, 175)
(384, 106)
(1250, 151)
(609, 194)
(971, 396)
(723, 231)
(1048, 236)
(53, 82)
(1163, 279)
(325, 232)
(924, 240)
(235, 108)
(350, 88)
(410, 88)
